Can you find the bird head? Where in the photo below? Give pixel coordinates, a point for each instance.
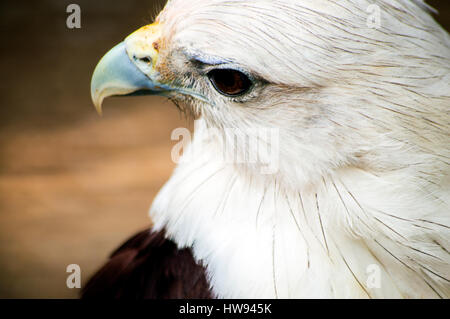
(340, 91)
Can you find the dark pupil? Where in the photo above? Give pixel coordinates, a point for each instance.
(230, 82)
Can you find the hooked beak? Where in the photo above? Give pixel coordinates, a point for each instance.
(128, 68)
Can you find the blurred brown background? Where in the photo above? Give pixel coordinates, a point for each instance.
(73, 185)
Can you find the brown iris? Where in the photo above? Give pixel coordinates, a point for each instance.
(230, 82)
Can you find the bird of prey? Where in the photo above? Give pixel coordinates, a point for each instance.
(357, 203)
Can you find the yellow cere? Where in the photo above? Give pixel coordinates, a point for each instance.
(145, 42)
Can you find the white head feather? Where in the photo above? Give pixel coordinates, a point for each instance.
(364, 152)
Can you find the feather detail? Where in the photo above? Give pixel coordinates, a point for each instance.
(149, 266)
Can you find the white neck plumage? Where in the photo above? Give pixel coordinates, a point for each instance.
(341, 237)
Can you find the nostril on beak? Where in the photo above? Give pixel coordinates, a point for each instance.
(146, 60)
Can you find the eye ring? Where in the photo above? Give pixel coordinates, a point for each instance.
(230, 82)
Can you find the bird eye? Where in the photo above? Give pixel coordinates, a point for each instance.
(229, 82)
